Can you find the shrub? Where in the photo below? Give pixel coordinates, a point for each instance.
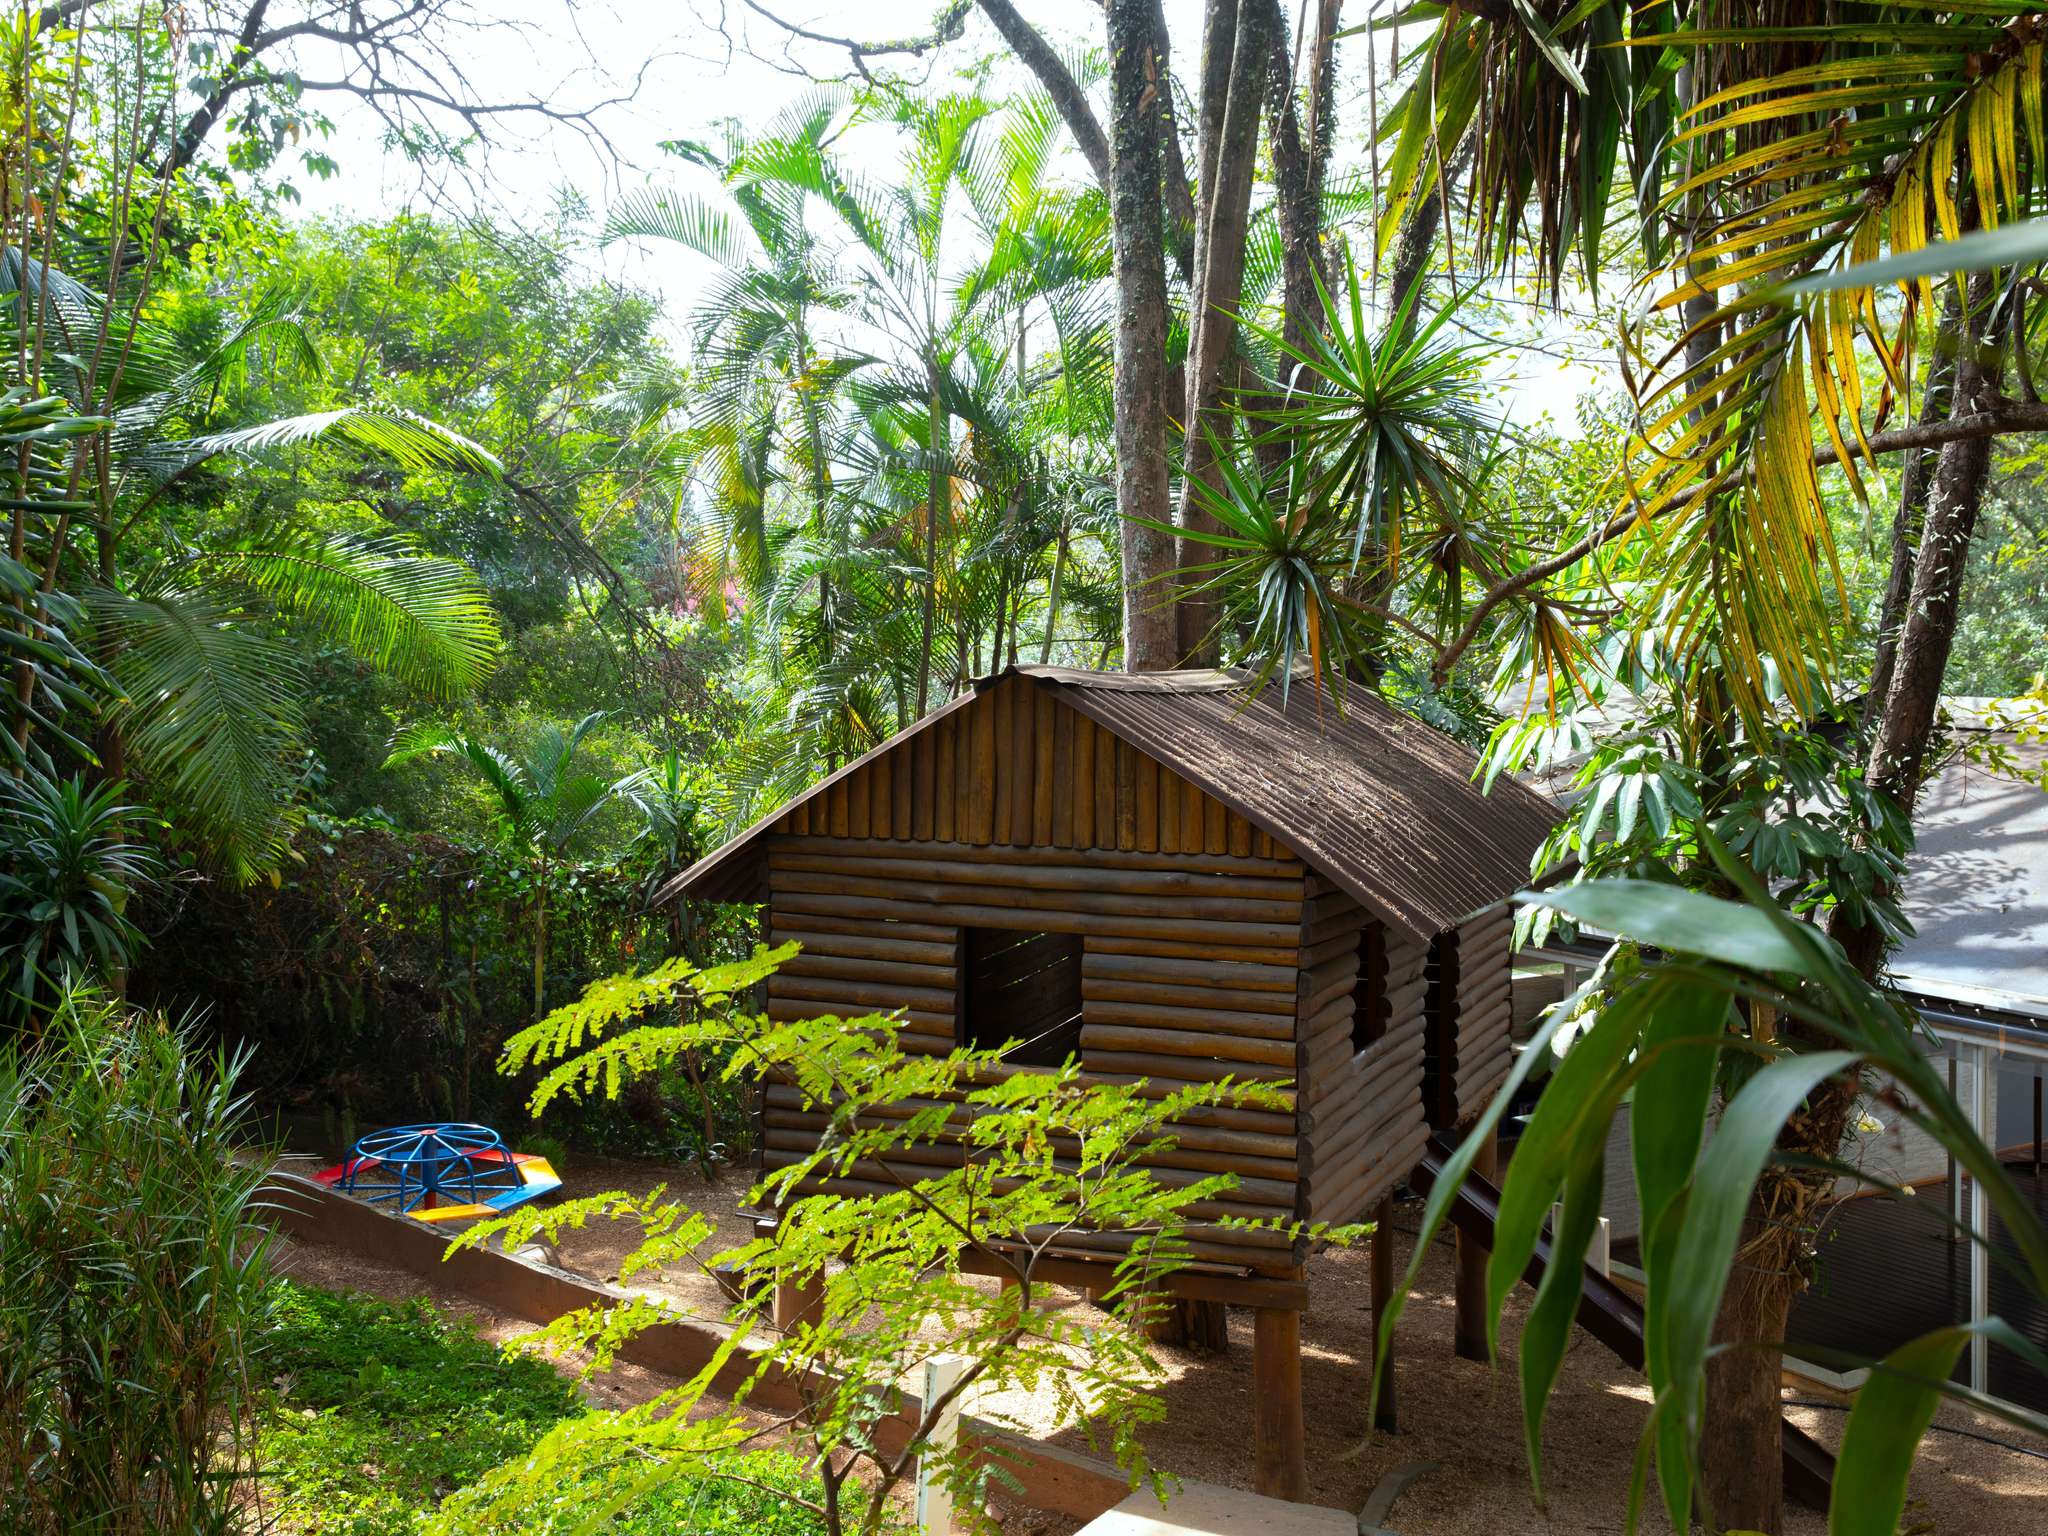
(377, 1409)
(132, 1281)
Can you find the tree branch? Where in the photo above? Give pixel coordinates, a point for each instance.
(1995, 420)
(945, 29)
(1038, 57)
(201, 122)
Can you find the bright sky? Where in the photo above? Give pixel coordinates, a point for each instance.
(687, 65)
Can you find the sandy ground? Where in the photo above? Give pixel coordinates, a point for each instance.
(1463, 1416)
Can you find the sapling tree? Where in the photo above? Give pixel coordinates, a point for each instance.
(930, 1173)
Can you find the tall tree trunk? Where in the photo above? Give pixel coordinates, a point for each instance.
(1742, 1479)
(1299, 162)
(1898, 748)
(1052, 597)
(1904, 721)
(540, 950)
(1235, 51)
(1914, 475)
(1139, 392)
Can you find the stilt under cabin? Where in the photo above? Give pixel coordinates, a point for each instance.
(1176, 878)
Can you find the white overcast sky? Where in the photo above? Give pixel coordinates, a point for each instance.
(689, 78)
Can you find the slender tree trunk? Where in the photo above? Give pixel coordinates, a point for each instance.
(1904, 721)
(1227, 153)
(937, 504)
(1139, 393)
(1742, 1479)
(1898, 749)
(540, 953)
(1052, 597)
(1914, 476)
(1298, 165)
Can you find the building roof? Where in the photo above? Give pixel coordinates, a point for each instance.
(1976, 886)
(1382, 805)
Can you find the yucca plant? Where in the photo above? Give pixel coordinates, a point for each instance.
(72, 856)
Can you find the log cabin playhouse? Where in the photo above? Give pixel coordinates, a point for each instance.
(1177, 879)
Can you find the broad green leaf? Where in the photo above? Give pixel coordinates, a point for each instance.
(1548, 1330)
(1445, 1189)
(1682, 921)
(1893, 1409)
(1575, 1097)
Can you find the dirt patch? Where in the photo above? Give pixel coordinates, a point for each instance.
(1464, 1416)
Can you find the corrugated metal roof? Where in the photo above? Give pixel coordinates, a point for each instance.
(1379, 803)
(1976, 886)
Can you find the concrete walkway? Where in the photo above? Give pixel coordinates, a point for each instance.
(1204, 1509)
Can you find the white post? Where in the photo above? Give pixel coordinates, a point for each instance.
(1955, 1171)
(1599, 1249)
(934, 1500)
(1983, 1120)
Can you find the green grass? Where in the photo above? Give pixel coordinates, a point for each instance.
(377, 1412)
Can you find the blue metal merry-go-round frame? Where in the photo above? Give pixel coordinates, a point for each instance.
(414, 1165)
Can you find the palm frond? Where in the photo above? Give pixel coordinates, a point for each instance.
(209, 710)
(411, 442)
(424, 619)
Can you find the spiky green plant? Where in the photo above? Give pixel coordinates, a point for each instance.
(133, 1280)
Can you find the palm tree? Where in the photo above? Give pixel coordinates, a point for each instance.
(762, 378)
(106, 418)
(541, 806)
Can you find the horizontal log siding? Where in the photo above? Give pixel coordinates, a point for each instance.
(1471, 1013)
(1188, 966)
(1362, 1126)
(1485, 1008)
(1018, 768)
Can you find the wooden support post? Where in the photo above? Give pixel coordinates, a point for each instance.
(935, 1514)
(1279, 1438)
(1208, 1325)
(1469, 1327)
(798, 1303)
(1385, 1416)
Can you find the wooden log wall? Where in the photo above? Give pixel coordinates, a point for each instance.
(1020, 814)
(1471, 1016)
(1362, 1126)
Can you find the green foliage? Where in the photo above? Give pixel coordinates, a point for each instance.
(1789, 797)
(377, 978)
(133, 1280)
(377, 1411)
(71, 859)
(1049, 1163)
(1672, 1037)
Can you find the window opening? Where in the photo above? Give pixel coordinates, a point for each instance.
(1369, 996)
(1021, 986)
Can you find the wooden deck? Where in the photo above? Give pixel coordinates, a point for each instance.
(1889, 1270)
